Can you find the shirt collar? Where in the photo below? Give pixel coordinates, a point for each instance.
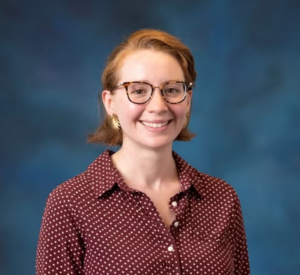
(103, 175)
(189, 176)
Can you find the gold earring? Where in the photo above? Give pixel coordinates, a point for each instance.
(187, 120)
(115, 122)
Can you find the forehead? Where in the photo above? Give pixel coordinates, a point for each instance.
(152, 66)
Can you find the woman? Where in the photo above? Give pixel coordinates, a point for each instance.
(144, 210)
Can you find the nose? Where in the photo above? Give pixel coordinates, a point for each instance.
(157, 102)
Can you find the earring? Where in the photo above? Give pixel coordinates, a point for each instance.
(187, 120)
(115, 122)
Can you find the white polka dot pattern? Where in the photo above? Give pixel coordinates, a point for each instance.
(94, 224)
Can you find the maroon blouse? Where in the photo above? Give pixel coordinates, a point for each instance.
(95, 224)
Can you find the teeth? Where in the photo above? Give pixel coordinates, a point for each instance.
(155, 125)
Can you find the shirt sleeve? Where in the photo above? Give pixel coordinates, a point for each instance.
(241, 258)
(60, 248)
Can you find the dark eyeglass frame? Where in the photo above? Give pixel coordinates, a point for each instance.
(188, 86)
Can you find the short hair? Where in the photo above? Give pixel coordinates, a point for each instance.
(145, 39)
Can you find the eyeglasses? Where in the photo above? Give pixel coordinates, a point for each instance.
(172, 92)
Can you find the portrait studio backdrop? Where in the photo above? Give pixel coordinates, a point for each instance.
(246, 109)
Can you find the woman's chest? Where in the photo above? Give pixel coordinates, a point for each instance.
(131, 237)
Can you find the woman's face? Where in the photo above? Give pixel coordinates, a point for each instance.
(157, 123)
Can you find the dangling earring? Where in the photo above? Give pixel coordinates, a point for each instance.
(187, 120)
(115, 122)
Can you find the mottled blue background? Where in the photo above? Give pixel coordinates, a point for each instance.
(246, 109)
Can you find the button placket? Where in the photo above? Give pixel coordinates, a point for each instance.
(172, 256)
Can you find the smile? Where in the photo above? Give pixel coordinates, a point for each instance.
(154, 125)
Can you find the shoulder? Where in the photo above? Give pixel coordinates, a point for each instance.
(216, 193)
(214, 187)
(208, 186)
(70, 191)
(96, 178)
(84, 188)
(213, 183)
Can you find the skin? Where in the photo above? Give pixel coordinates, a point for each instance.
(145, 159)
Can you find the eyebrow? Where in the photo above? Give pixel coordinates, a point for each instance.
(149, 82)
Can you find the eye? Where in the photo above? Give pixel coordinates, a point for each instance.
(172, 91)
(138, 92)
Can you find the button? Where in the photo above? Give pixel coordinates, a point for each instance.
(170, 248)
(176, 223)
(174, 203)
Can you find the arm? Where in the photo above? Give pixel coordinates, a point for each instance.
(241, 259)
(60, 247)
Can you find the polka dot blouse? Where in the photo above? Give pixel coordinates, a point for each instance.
(94, 224)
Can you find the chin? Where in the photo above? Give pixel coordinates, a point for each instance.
(150, 141)
(157, 144)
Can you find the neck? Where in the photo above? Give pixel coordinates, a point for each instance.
(146, 169)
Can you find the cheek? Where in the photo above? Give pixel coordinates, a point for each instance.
(180, 113)
(129, 112)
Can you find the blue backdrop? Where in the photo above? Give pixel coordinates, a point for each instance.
(246, 109)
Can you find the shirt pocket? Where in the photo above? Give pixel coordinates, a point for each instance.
(218, 236)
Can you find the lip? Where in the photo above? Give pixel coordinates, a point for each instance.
(156, 121)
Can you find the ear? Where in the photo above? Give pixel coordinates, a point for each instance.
(108, 102)
(189, 96)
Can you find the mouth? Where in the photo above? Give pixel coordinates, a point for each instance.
(155, 125)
